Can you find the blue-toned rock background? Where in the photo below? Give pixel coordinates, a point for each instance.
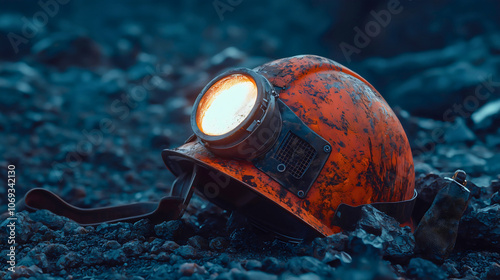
(89, 98)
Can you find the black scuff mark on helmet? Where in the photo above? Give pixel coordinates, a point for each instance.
(329, 123)
(371, 176)
(337, 179)
(382, 151)
(345, 123)
(314, 101)
(249, 180)
(310, 84)
(372, 124)
(282, 192)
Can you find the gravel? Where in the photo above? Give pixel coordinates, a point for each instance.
(89, 102)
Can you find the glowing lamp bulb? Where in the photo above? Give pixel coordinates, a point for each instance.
(226, 104)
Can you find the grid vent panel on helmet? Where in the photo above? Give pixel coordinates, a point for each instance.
(296, 154)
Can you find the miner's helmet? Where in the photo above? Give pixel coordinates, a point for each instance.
(297, 146)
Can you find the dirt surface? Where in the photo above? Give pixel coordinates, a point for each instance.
(89, 100)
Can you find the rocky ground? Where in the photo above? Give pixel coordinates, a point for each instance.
(88, 105)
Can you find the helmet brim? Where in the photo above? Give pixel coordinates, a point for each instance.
(246, 174)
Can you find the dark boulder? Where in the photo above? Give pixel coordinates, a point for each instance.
(436, 233)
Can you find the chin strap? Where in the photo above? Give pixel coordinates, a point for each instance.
(168, 208)
(347, 216)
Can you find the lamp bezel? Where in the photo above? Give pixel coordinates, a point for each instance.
(232, 143)
(263, 97)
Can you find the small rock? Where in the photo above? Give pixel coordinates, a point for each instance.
(337, 259)
(69, 260)
(53, 251)
(213, 268)
(253, 265)
(41, 260)
(478, 191)
(218, 244)
(116, 256)
(363, 243)
(198, 242)
(51, 235)
(93, 258)
(301, 265)
(234, 265)
(49, 219)
(175, 259)
(133, 248)
(82, 245)
(186, 251)
(143, 228)
(480, 228)
(112, 244)
(399, 242)
(451, 268)
(70, 226)
(188, 269)
(169, 246)
(424, 269)
(163, 256)
(110, 231)
(495, 198)
(272, 265)
(155, 245)
(81, 230)
(170, 230)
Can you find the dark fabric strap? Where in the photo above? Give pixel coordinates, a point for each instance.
(168, 208)
(347, 216)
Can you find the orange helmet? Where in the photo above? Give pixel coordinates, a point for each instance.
(297, 145)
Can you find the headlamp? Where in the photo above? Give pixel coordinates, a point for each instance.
(236, 115)
(226, 104)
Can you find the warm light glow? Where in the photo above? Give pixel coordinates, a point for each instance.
(226, 104)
